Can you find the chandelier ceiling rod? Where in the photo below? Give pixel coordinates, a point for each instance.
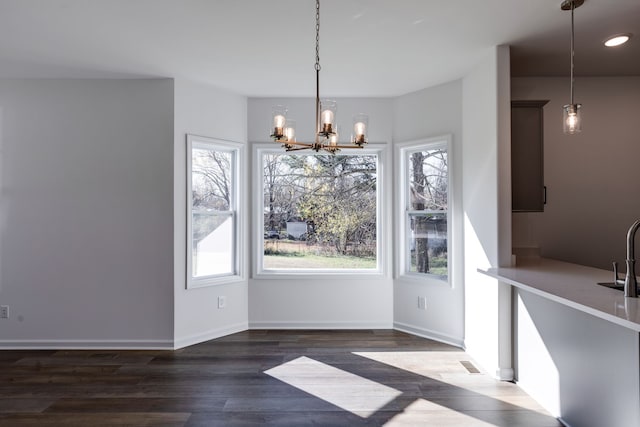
(317, 67)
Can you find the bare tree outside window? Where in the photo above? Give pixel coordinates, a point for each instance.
(320, 211)
(212, 222)
(427, 210)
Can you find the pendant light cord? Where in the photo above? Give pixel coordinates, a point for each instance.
(572, 49)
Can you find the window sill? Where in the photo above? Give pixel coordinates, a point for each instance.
(308, 275)
(424, 278)
(214, 281)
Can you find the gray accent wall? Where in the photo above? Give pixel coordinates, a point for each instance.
(86, 212)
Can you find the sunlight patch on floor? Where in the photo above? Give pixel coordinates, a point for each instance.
(345, 390)
(446, 367)
(431, 364)
(414, 415)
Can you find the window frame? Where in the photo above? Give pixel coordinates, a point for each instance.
(403, 212)
(258, 270)
(235, 211)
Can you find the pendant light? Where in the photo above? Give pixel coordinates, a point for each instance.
(326, 130)
(571, 117)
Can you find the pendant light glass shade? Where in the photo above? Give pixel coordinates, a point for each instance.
(572, 118)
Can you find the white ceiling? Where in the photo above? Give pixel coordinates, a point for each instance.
(266, 47)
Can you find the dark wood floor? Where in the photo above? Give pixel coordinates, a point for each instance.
(283, 378)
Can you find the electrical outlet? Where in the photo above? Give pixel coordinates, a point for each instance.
(222, 302)
(4, 311)
(422, 303)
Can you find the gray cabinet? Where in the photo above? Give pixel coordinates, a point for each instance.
(528, 192)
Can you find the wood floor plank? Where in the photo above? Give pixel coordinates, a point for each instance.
(146, 404)
(17, 405)
(155, 419)
(226, 382)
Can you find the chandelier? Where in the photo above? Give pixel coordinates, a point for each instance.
(326, 134)
(571, 116)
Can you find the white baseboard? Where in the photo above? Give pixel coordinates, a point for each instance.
(86, 344)
(122, 344)
(429, 334)
(318, 325)
(181, 342)
(212, 334)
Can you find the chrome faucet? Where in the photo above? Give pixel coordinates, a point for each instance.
(630, 283)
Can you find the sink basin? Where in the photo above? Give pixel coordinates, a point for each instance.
(612, 285)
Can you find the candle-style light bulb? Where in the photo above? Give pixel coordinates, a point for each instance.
(290, 134)
(279, 120)
(360, 129)
(333, 140)
(327, 121)
(290, 131)
(327, 117)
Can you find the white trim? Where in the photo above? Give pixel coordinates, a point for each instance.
(318, 274)
(429, 334)
(505, 374)
(219, 333)
(238, 207)
(216, 281)
(297, 325)
(401, 201)
(259, 149)
(209, 335)
(86, 344)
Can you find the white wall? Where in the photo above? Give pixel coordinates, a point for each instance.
(86, 213)
(592, 177)
(325, 301)
(211, 112)
(428, 113)
(487, 302)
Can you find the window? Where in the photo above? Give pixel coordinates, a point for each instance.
(424, 192)
(212, 211)
(319, 212)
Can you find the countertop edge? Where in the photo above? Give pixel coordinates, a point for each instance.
(503, 275)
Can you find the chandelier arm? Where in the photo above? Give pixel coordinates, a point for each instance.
(345, 146)
(299, 148)
(302, 144)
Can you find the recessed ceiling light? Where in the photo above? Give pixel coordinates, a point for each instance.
(617, 40)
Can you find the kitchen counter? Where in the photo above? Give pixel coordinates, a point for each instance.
(576, 344)
(574, 286)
